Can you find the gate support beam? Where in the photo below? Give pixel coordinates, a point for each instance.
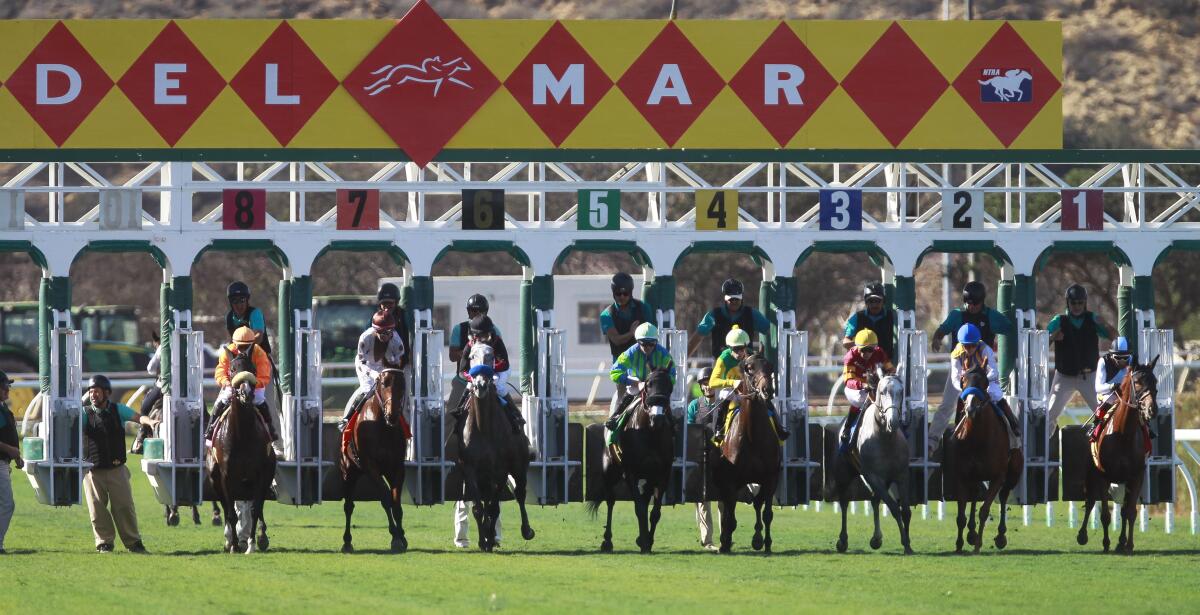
(294, 294)
(1006, 344)
(176, 296)
(537, 293)
(777, 295)
(54, 293)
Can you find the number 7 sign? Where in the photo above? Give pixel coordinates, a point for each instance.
(1082, 210)
(357, 210)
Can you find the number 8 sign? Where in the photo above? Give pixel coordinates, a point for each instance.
(841, 210)
(244, 210)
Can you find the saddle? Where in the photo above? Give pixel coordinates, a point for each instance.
(1106, 428)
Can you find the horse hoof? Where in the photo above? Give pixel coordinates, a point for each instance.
(876, 542)
(972, 537)
(230, 547)
(606, 546)
(756, 543)
(958, 546)
(347, 548)
(241, 547)
(727, 547)
(908, 550)
(216, 521)
(399, 545)
(1001, 541)
(1106, 546)
(264, 543)
(527, 533)
(1082, 538)
(842, 545)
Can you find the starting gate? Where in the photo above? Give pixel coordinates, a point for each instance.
(300, 475)
(689, 442)
(801, 468)
(547, 421)
(426, 468)
(911, 345)
(1159, 486)
(1030, 400)
(57, 473)
(178, 477)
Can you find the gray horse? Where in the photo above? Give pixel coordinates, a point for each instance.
(882, 462)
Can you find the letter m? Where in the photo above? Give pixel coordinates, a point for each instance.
(544, 81)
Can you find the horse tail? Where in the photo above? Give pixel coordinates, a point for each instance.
(593, 507)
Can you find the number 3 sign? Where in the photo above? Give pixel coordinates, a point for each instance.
(244, 210)
(841, 210)
(483, 210)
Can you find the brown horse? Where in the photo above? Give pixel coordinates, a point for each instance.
(491, 453)
(242, 465)
(1122, 454)
(980, 452)
(750, 454)
(643, 455)
(377, 449)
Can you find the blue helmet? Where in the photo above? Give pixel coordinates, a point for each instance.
(1121, 346)
(968, 334)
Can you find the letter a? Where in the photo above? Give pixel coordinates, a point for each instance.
(669, 83)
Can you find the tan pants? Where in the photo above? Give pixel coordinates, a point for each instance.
(704, 520)
(105, 487)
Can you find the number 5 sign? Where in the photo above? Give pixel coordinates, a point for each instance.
(483, 210)
(244, 210)
(841, 210)
(1082, 210)
(716, 210)
(357, 210)
(599, 210)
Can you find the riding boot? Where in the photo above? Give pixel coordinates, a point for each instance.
(1008, 414)
(265, 413)
(848, 430)
(351, 408)
(614, 419)
(779, 430)
(514, 415)
(1097, 422)
(217, 410)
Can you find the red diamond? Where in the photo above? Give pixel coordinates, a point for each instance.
(783, 108)
(171, 83)
(895, 84)
(671, 83)
(558, 83)
(73, 84)
(421, 83)
(284, 83)
(1018, 96)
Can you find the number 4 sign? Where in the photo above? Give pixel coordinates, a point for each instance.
(357, 210)
(716, 210)
(1082, 210)
(599, 210)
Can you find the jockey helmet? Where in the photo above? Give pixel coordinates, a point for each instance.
(5, 380)
(732, 289)
(622, 281)
(382, 321)
(478, 303)
(737, 337)
(1075, 292)
(872, 290)
(244, 335)
(1120, 346)
(866, 337)
(705, 374)
(100, 382)
(974, 292)
(481, 324)
(646, 331)
(969, 334)
(238, 289)
(388, 292)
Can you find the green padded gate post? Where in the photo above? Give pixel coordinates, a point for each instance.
(1143, 299)
(1007, 344)
(904, 297)
(1024, 297)
(659, 293)
(301, 299)
(166, 326)
(541, 298)
(54, 293)
(775, 296)
(179, 298)
(526, 339)
(283, 346)
(1126, 327)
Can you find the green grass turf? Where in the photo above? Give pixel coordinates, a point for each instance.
(51, 566)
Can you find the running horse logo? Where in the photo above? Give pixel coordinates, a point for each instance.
(431, 70)
(1008, 87)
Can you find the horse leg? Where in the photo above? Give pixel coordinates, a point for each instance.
(877, 537)
(171, 514)
(1089, 501)
(656, 509)
(348, 483)
(396, 481)
(641, 504)
(1001, 540)
(385, 501)
(245, 527)
(962, 518)
(231, 520)
(195, 515)
(216, 514)
(728, 519)
(1129, 516)
(521, 480)
(993, 490)
(606, 546)
(972, 536)
(879, 489)
(768, 511)
(260, 521)
(843, 503)
(1105, 517)
(756, 542)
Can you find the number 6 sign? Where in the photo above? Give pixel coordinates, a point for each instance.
(1082, 210)
(483, 210)
(244, 210)
(841, 210)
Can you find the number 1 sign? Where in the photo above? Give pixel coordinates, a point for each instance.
(1082, 210)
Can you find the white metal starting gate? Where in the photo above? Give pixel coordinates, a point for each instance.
(57, 477)
(1159, 486)
(801, 465)
(426, 467)
(911, 348)
(687, 459)
(1030, 399)
(547, 421)
(178, 478)
(300, 475)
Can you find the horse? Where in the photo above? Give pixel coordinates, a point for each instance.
(882, 461)
(750, 454)
(979, 450)
(170, 513)
(643, 454)
(377, 449)
(1121, 454)
(242, 464)
(490, 454)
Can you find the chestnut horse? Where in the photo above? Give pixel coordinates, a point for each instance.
(1122, 454)
(377, 448)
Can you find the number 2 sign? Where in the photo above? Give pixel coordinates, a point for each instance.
(962, 210)
(244, 210)
(1082, 210)
(841, 210)
(357, 210)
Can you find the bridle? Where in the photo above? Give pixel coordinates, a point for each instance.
(389, 415)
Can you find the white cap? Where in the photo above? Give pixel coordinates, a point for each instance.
(728, 297)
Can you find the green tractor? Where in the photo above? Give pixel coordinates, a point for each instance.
(110, 338)
(341, 320)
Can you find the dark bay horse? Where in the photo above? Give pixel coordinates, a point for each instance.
(171, 513)
(643, 454)
(882, 455)
(1122, 454)
(980, 451)
(377, 449)
(750, 454)
(242, 465)
(491, 453)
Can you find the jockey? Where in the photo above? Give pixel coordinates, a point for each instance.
(876, 317)
(636, 363)
(721, 319)
(970, 353)
(389, 301)
(1111, 370)
(379, 347)
(483, 333)
(727, 377)
(242, 314)
(859, 365)
(243, 342)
